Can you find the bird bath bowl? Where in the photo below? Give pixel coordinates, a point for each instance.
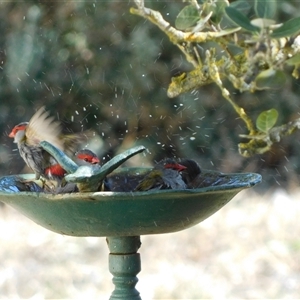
(123, 216)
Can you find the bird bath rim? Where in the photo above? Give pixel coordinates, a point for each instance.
(127, 213)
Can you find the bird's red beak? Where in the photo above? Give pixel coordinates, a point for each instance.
(95, 160)
(180, 167)
(12, 134)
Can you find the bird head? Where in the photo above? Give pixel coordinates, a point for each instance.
(192, 169)
(87, 156)
(18, 132)
(171, 163)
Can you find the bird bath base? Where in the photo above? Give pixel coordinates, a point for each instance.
(123, 216)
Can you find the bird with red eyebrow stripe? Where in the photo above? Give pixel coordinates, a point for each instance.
(82, 157)
(88, 156)
(42, 127)
(56, 172)
(165, 175)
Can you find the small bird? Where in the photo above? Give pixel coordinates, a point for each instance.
(28, 135)
(191, 174)
(87, 156)
(165, 175)
(83, 157)
(55, 172)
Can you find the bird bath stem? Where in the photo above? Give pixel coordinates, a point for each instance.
(123, 216)
(124, 264)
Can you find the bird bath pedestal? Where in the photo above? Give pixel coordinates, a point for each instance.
(123, 217)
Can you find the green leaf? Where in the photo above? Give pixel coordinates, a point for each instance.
(295, 60)
(288, 28)
(267, 119)
(201, 23)
(265, 9)
(227, 31)
(242, 6)
(270, 79)
(218, 10)
(239, 19)
(187, 17)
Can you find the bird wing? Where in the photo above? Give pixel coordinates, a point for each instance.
(152, 181)
(73, 140)
(42, 127)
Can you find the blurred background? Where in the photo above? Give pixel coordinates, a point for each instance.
(96, 66)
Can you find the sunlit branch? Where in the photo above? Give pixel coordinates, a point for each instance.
(176, 36)
(188, 81)
(215, 76)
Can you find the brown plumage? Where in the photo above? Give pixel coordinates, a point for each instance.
(42, 127)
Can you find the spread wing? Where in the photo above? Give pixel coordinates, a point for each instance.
(42, 127)
(72, 141)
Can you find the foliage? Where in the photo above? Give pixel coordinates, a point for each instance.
(96, 66)
(253, 56)
(266, 120)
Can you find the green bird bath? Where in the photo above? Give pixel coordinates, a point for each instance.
(123, 217)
